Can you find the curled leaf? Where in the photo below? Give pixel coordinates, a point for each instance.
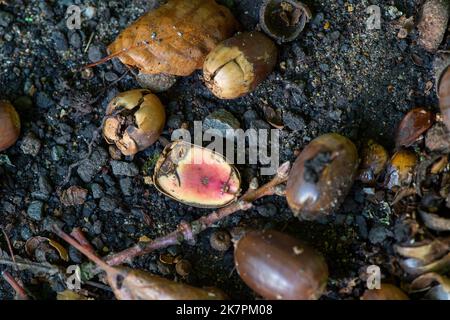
(425, 251)
(434, 221)
(34, 243)
(416, 267)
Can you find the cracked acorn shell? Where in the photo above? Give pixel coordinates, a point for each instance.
(399, 172)
(322, 176)
(135, 120)
(196, 176)
(239, 64)
(9, 125)
(278, 266)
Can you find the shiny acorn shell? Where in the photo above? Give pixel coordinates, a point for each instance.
(181, 175)
(413, 125)
(278, 266)
(321, 176)
(9, 125)
(374, 158)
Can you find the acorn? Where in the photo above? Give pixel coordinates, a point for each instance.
(284, 20)
(442, 68)
(399, 172)
(135, 120)
(413, 125)
(278, 266)
(386, 292)
(374, 158)
(196, 176)
(9, 125)
(322, 176)
(239, 64)
(433, 23)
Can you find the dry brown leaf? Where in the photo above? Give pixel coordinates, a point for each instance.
(175, 38)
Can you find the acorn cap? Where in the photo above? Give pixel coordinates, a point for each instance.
(284, 20)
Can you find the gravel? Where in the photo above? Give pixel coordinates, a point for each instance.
(120, 168)
(36, 210)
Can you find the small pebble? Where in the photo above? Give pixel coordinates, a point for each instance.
(36, 210)
(31, 145)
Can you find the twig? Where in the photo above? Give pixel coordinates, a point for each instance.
(74, 243)
(78, 235)
(32, 266)
(89, 42)
(11, 252)
(188, 231)
(20, 291)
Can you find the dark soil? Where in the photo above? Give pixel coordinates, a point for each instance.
(337, 77)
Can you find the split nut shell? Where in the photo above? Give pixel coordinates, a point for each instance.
(135, 120)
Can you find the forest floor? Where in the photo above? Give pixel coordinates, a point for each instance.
(336, 77)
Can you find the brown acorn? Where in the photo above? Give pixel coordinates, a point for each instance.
(278, 266)
(284, 20)
(321, 176)
(238, 65)
(9, 125)
(135, 120)
(386, 292)
(413, 125)
(443, 82)
(374, 158)
(400, 169)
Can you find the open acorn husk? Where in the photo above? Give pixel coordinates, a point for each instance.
(284, 20)
(135, 120)
(196, 176)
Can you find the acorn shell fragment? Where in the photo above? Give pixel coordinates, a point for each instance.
(196, 176)
(135, 121)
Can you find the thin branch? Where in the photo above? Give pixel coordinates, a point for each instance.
(188, 231)
(32, 266)
(78, 235)
(8, 242)
(74, 243)
(20, 291)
